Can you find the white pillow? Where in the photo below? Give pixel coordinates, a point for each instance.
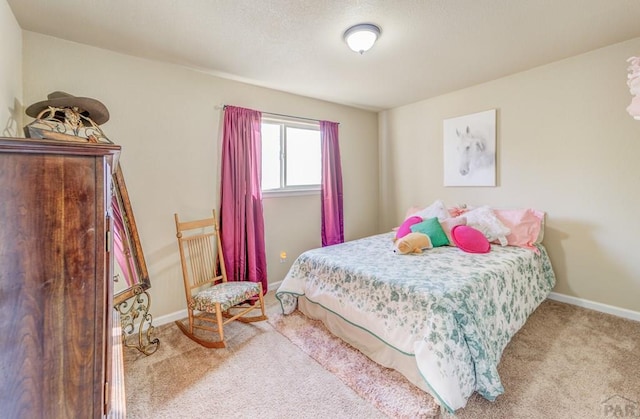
(437, 209)
(483, 219)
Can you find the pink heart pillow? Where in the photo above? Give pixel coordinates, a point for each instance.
(470, 239)
(405, 228)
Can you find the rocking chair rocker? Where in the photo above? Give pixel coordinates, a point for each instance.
(210, 297)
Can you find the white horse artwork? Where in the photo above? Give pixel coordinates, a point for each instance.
(469, 150)
(473, 151)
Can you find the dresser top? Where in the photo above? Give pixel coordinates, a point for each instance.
(49, 146)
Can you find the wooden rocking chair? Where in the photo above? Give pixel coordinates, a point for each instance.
(210, 298)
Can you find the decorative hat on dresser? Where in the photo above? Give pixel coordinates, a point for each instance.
(64, 116)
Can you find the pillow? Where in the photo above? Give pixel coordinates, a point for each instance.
(458, 210)
(411, 211)
(470, 239)
(449, 223)
(432, 228)
(525, 226)
(483, 219)
(404, 228)
(437, 209)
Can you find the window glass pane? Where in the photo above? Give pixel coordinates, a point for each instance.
(270, 156)
(303, 157)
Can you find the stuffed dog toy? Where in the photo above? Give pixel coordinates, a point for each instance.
(412, 243)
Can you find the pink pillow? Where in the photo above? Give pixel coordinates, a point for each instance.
(405, 227)
(470, 239)
(525, 225)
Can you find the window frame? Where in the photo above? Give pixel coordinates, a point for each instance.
(291, 122)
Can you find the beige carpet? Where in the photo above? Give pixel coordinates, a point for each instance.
(566, 362)
(385, 388)
(260, 374)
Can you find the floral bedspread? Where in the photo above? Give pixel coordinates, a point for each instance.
(454, 311)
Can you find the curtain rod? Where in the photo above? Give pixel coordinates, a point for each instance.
(283, 115)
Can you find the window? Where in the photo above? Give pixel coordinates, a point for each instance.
(291, 160)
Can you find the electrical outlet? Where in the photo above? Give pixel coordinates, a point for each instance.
(283, 256)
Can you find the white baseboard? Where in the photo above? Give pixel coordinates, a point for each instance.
(171, 317)
(593, 305)
(274, 285)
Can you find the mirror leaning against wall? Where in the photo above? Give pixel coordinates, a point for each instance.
(131, 278)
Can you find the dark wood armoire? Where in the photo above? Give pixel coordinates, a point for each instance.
(55, 278)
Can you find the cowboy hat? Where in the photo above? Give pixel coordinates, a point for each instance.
(88, 107)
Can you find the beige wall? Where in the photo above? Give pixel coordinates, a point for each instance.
(565, 146)
(10, 73)
(167, 120)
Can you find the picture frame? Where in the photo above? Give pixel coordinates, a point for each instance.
(469, 145)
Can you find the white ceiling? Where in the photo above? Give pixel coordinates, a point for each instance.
(427, 47)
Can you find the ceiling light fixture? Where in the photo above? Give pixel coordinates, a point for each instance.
(361, 38)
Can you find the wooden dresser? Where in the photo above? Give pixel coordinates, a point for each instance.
(55, 278)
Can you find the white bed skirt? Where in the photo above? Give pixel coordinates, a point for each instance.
(365, 342)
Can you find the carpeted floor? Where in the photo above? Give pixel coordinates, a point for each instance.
(260, 374)
(384, 388)
(566, 362)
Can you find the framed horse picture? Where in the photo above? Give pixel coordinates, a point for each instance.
(470, 149)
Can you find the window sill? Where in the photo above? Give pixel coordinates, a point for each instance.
(286, 193)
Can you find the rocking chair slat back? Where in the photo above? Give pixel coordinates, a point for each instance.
(200, 252)
(203, 259)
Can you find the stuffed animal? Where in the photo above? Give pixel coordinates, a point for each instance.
(412, 243)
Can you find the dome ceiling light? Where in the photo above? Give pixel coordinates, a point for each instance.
(361, 38)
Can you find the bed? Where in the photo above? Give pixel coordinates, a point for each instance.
(442, 318)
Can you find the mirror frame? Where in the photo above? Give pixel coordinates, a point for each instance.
(120, 188)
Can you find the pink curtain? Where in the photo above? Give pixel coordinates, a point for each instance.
(241, 216)
(332, 218)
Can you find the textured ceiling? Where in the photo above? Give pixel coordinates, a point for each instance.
(427, 47)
